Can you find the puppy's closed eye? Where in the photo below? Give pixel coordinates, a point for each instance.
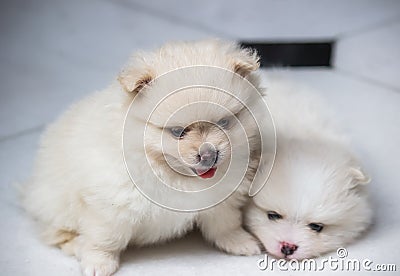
(272, 215)
(317, 227)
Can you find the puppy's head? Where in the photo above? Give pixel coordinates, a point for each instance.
(144, 67)
(191, 122)
(315, 202)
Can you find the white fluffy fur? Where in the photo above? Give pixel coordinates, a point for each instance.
(315, 179)
(80, 191)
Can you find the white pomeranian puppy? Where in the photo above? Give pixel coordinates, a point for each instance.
(315, 200)
(81, 193)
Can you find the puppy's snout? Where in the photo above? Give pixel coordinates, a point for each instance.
(208, 155)
(288, 248)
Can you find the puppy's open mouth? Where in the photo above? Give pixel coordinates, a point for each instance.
(205, 173)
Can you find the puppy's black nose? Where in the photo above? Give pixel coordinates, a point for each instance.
(288, 248)
(208, 157)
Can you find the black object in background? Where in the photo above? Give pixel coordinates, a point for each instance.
(295, 54)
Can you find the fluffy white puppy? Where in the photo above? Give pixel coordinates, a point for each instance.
(315, 200)
(81, 193)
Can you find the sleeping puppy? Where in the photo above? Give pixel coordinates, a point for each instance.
(315, 200)
(80, 192)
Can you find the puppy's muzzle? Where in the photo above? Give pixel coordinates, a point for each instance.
(207, 156)
(288, 249)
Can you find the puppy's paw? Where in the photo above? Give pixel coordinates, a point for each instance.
(97, 263)
(239, 242)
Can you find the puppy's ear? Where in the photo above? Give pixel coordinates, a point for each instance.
(134, 79)
(245, 61)
(358, 177)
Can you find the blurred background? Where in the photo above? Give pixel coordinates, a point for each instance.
(54, 52)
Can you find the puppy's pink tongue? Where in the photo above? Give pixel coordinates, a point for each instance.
(206, 174)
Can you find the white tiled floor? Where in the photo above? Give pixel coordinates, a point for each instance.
(54, 52)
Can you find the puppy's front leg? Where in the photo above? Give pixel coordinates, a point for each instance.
(222, 226)
(99, 244)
